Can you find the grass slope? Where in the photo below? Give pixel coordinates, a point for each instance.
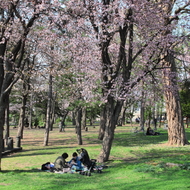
(137, 162)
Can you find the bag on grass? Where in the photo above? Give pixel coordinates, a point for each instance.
(45, 166)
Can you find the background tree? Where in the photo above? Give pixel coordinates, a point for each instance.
(185, 100)
(23, 122)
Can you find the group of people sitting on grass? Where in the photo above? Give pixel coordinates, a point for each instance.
(60, 164)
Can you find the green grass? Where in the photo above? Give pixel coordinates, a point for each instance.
(137, 162)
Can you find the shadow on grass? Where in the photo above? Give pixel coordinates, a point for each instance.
(21, 171)
(138, 139)
(33, 153)
(151, 178)
(177, 155)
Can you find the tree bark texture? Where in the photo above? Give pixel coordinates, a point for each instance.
(102, 123)
(7, 125)
(73, 118)
(84, 117)
(3, 105)
(22, 117)
(62, 122)
(30, 111)
(176, 131)
(52, 113)
(78, 125)
(121, 120)
(142, 110)
(112, 112)
(48, 113)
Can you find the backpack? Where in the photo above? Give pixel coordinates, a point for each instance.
(44, 166)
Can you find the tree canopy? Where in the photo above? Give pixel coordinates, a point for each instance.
(95, 50)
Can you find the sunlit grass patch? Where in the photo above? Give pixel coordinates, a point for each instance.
(137, 162)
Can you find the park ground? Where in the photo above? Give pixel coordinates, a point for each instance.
(137, 162)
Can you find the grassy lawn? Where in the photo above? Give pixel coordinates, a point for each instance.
(137, 162)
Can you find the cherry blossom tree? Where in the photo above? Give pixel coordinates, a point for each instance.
(108, 44)
(133, 40)
(17, 19)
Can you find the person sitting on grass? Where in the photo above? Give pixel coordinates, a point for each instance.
(60, 163)
(150, 131)
(75, 163)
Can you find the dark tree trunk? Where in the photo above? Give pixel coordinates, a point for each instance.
(73, 118)
(142, 120)
(102, 123)
(84, 117)
(91, 121)
(121, 120)
(160, 114)
(52, 113)
(149, 118)
(3, 105)
(30, 112)
(47, 127)
(23, 121)
(22, 117)
(62, 122)
(187, 121)
(7, 126)
(112, 113)
(78, 125)
(62, 126)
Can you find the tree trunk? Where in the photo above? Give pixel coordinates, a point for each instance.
(155, 115)
(52, 113)
(84, 117)
(62, 122)
(73, 118)
(22, 117)
(7, 126)
(3, 105)
(121, 120)
(131, 115)
(47, 127)
(30, 111)
(2, 96)
(102, 123)
(62, 126)
(112, 114)
(78, 125)
(187, 122)
(149, 117)
(91, 121)
(176, 131)
(142, 120)
(26, 88)
(160, 110)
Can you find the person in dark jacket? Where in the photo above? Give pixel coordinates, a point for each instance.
(60, 162)
(150, 131)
